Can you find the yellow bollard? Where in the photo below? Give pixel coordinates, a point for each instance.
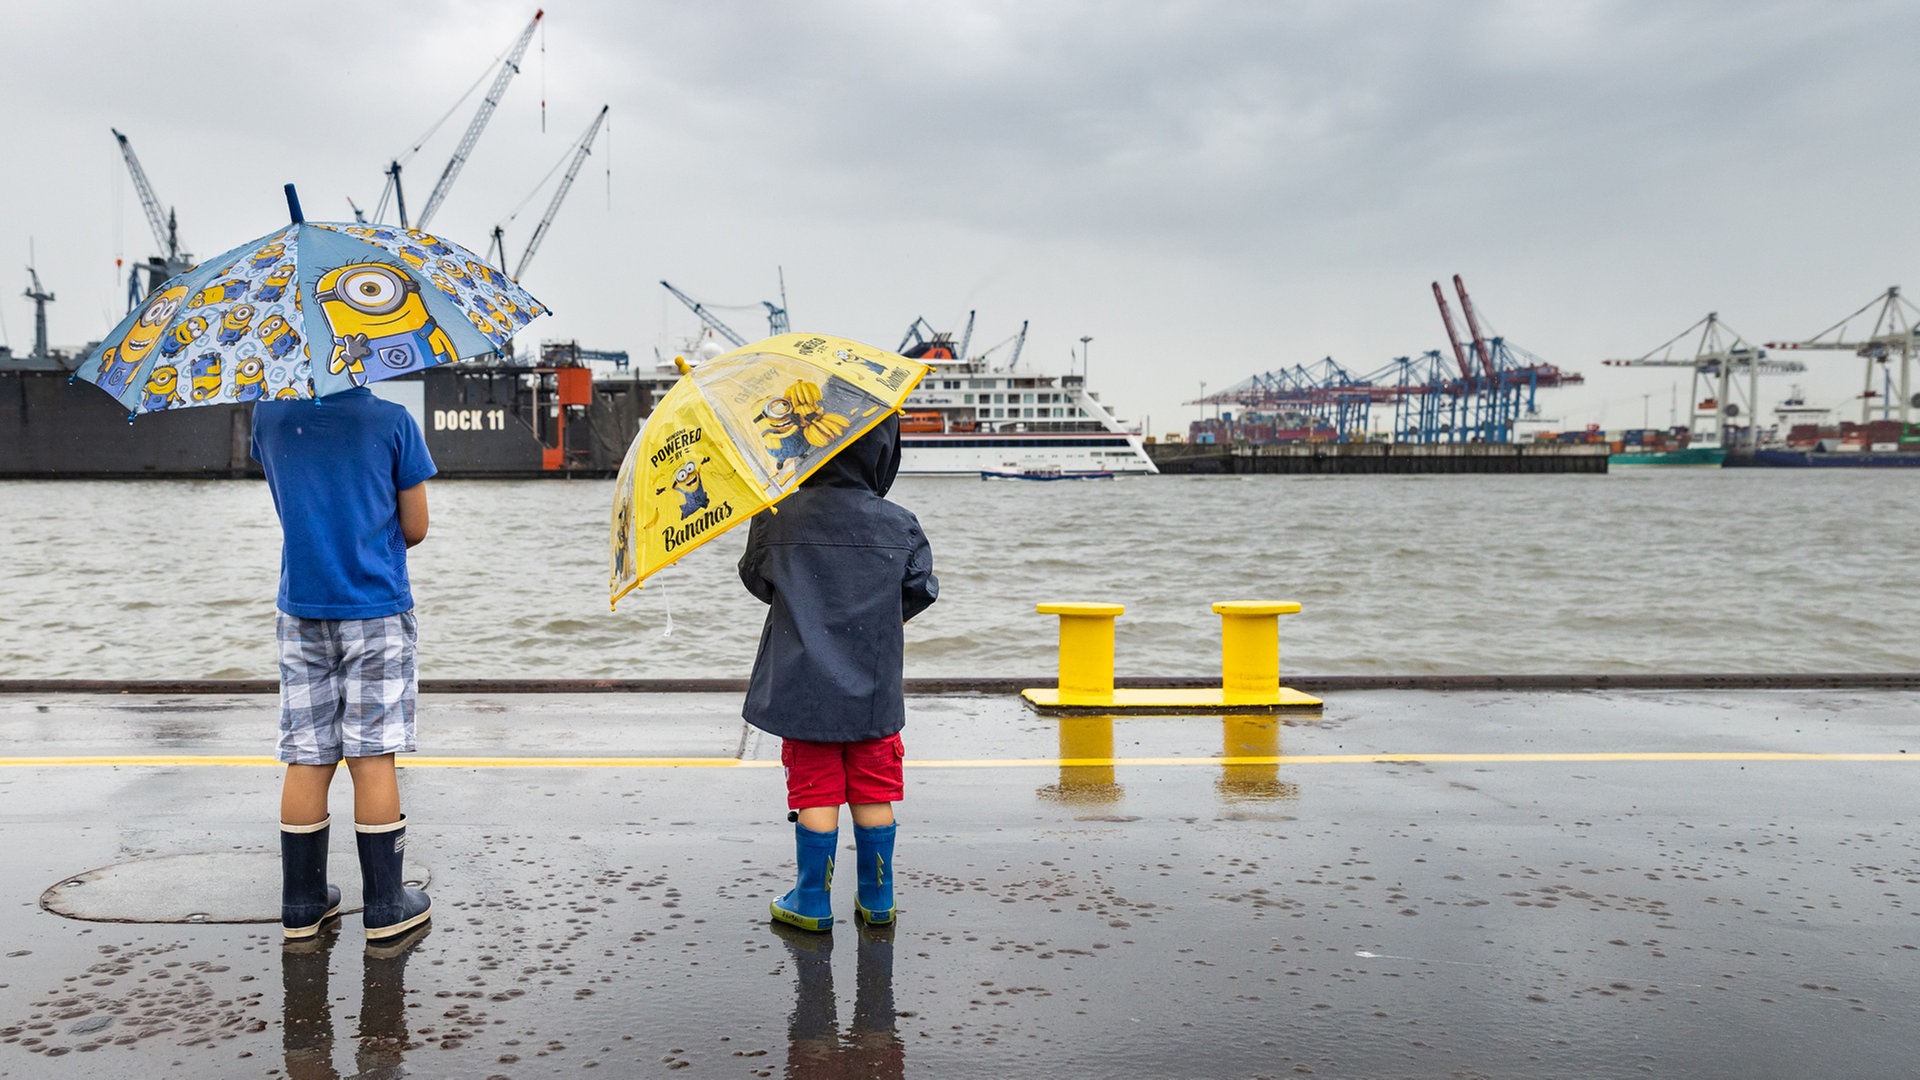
(1249, 665)
(1086, 651)
(1250, 649)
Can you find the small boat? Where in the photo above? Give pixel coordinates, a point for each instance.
(1045, 472)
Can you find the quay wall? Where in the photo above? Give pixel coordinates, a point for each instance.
(1371, 458)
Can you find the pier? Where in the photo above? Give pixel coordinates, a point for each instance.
(1549, 876)
(1367, 458)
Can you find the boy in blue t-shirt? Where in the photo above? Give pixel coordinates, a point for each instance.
(348, 474)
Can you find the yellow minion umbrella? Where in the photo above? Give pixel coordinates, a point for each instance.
(737, 434)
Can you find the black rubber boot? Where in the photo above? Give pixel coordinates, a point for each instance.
(392, 909)
(306, 900)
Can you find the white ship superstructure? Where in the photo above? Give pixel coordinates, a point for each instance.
(966, 418)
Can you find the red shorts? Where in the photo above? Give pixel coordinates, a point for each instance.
(831, 773)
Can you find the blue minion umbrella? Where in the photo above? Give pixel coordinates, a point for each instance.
(309, 310)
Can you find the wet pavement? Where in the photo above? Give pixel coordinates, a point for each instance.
(1702, 884)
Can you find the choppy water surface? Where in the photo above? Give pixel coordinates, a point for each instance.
(1643, 570)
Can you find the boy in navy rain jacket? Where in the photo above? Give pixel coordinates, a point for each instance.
(842, 570)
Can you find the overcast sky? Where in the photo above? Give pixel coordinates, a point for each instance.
(1207, 189)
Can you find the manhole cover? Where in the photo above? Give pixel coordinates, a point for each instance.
(198, 887)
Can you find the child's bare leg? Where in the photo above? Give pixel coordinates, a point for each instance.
(820, 818)
(303, 795)
(869, 815)
(376, 790)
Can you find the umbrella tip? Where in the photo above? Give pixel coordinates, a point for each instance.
(293, 205)
(681, 363)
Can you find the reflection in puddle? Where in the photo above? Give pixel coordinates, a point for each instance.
(1087, 763)
(1245, 737)
(380, 1039)
(1085, 738)
(307, 1015)
(871, 1049)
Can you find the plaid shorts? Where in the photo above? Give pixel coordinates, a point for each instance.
(347, 687)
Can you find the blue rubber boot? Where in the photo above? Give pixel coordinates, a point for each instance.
(873, 846)
(306, 900)
(809, 905)
(392, 909)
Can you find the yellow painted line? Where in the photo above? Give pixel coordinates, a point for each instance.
(412, 762)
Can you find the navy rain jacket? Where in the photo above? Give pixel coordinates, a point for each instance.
(842, 569)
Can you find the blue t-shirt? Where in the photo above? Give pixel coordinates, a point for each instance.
(336, 466)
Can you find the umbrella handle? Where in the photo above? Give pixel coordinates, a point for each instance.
(293, 205)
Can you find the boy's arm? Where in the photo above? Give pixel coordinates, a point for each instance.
(412, 468)
(921, 588)
(413, 513)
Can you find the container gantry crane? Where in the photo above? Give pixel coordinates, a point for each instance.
(1894, 330)
(1432, 402)
(488, 103)
(1717, 358)
(1504, 389)
(166, 231)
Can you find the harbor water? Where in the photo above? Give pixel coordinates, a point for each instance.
(1637, 571)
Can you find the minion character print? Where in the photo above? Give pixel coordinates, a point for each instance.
(120, 364)
(185, 334)
(278, 335)
(115, 373)
(276, 284)
(163, 389)
(376, 314)
(235, 324)
(205, 376)
(796, 423)
(686, 481)
(249, 379)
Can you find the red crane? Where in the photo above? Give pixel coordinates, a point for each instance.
(1453, 336)
(1473, 326)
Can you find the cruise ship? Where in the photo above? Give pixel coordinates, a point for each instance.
(967, 419)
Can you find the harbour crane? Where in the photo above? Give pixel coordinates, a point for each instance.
(706, 316)
(509, 67)
(921, 332)
(580, 151)
(1431, 401)
(1716, 359)
(1473, 325)
(576, 156)
(166, 231)
(1894, 329)
(777, 313)
(1453, 336)
(41, 298)
(1019, 342)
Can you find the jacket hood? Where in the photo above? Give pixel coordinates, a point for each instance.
(869, 462)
